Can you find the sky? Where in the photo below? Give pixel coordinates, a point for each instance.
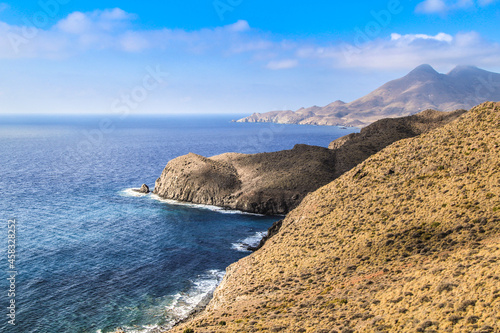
(227, 56)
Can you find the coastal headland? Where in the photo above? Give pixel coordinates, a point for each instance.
(408, 240)
(275, 183)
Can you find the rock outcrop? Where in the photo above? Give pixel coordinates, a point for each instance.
(423, 88)
(144, 189)
(407, 241)
(273, 230)
(275, 183)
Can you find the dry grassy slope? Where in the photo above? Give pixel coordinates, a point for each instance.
(408, 241)
(354, 148)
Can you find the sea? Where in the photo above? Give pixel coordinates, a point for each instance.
(90, 254)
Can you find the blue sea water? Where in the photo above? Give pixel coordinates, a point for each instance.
(90, 255)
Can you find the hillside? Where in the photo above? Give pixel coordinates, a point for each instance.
(407, 241)
(275, 183)
(354, 148)
(421, 89)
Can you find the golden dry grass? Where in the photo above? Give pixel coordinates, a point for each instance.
(407, 241)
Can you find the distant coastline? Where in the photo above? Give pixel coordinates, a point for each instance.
(423, 88)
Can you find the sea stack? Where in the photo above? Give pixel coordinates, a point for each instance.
(144, 189)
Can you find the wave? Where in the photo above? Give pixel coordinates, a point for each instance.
(179, 306)
(131, 192)
(253, 241)
(202, 206)
(198, 296)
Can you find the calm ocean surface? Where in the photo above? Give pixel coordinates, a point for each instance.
(92, 257)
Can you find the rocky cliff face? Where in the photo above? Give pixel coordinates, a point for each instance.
(267, 183)
(198, 179)
(423, 88)
(275, 183)
(409, 240)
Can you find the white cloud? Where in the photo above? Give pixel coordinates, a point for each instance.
(431, 6)
(282, 64)
(408, 51)
(98, 20)
(134, 42)
(239, 26)
(75, 23)
(115, 14)
(114, 30)
(445, 6)
(440, 37)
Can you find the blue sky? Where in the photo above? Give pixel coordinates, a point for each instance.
(227, 56)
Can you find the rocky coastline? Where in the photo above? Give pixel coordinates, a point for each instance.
(275, 183)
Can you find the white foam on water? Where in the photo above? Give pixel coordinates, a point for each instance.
(253, 240)
(202, 289)
(182, 304)
(202, 206)
(132, 192)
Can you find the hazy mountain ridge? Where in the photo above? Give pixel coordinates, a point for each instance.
(423, 88)
(409, 240)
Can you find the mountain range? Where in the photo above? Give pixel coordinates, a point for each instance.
(423, 88)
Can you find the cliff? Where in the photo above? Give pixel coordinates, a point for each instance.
(267, 183)
(409, 240)
(275, 183)
(423, 88)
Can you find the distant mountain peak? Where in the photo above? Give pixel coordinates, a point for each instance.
(421, 89)
(337, 103)
(462, 67)
(465, 69)
(423, 69)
